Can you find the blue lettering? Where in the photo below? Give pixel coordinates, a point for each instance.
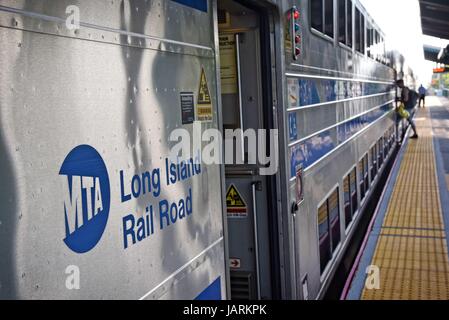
(189, 208)
(136, 193)
(173, 212)
(128, 231)
(122, 189)
(156, 182)
(146, 181)
(140, 229)
(173, 173)
(184, 174)
(182, 212)
(163, 213)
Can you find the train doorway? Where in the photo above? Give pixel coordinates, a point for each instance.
(246, 90)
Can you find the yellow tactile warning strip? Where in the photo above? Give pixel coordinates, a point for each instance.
(411, 251)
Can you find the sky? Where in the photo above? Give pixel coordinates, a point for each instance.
(400, 20)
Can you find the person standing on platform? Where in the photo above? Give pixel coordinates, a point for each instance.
(422, 96)
(406, 102)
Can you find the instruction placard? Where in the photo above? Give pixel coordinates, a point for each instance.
(187, 107)
(204, 102)
(293, 92)
(228, 66)
(236, 206)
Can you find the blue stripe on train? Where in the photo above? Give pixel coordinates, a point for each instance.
(212, 292)
(314, 91)
(311, 150)
(196, 4)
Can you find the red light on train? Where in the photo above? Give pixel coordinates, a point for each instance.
(295, 32)
(296, 14)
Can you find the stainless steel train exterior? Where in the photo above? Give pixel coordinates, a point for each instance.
(92, 204)
(86, 114)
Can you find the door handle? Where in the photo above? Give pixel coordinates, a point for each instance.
(239, 85)
(256, 186)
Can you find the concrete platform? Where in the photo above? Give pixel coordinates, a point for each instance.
(405, 255)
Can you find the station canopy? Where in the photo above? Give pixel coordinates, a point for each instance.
(435, 23)
(435, 18)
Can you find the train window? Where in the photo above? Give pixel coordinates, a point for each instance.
(386, 144)
(334, 218)
(347, 200)
(342, 21)
(362, 33)
(359, 31)
(388, 138)
(373, 152)
(376, 44)
(350, 196)
(322, 16)
(317, 14)
(366, 172)
(324, 237)
(361, 183)
(380, 158)
(382, 49)
(349, 22)
(392, 136)
(328, 228)
(369, 39)
(329, 17)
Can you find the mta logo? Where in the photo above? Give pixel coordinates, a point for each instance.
(87, 198)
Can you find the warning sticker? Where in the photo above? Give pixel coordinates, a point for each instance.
(204, 102)
(236, 206)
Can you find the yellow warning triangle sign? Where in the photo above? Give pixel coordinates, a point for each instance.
(233, 199)
(203, 92)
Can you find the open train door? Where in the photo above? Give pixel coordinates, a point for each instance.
(246, 93)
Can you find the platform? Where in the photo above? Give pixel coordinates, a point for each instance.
(408, 236)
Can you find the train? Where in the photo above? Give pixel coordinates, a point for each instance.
(96, 205)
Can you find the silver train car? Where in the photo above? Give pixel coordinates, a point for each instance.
(94, 205)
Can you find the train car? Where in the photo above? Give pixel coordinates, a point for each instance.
(345, 125)
(95, 204)
(326, 82)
